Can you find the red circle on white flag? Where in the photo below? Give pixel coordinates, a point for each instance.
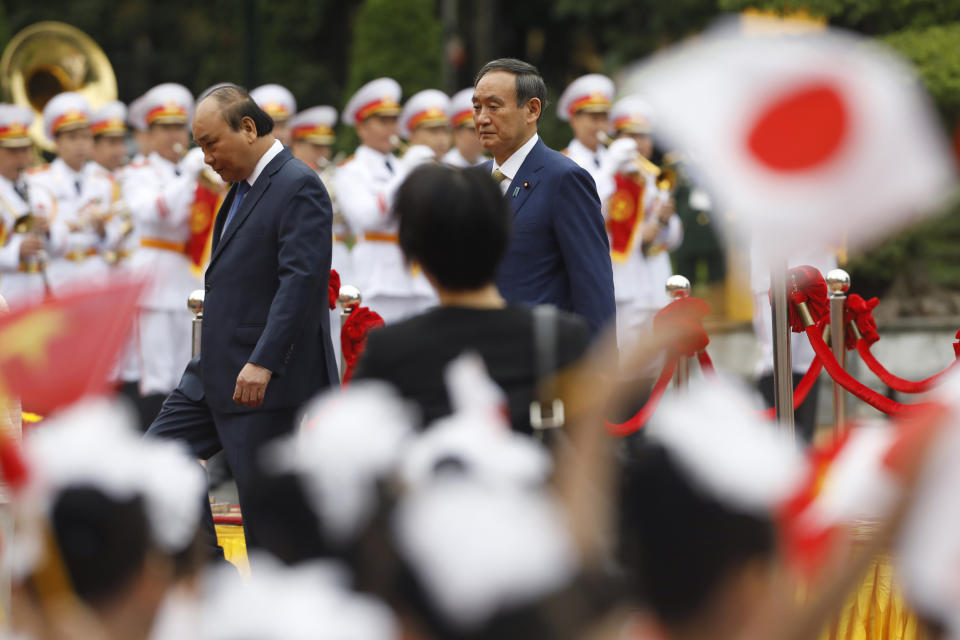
(800, 129)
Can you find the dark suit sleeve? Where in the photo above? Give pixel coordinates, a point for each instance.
(582, 236)
(303, 269)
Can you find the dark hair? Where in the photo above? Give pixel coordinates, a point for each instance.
(455, 223)
(678, 543)
(236, 104)
(529, 82)
(103, 541)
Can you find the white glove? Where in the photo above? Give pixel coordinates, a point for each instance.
(192, 163)
(620, 156)
(415, 156)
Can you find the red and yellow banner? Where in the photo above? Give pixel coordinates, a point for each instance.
(206, 201)
(626, 214)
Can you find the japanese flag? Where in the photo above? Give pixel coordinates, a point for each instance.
(807, 140)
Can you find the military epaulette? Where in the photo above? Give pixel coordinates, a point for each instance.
(35, 170)
(345, 160)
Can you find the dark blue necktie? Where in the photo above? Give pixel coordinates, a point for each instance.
(242, 189)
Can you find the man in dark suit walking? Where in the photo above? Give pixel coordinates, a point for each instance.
(560, 253)
(266, 338)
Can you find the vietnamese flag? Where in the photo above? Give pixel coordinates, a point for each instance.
(54, 353)
(626, 214)
(206, 202)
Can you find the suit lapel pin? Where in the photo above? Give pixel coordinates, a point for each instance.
(526, 185)
(516, 191)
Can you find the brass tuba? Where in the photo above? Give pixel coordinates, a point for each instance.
(47, 58)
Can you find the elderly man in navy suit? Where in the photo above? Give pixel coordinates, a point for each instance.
(266, 338)
(560, 253)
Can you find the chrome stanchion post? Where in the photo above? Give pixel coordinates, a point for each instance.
(348, 300)
(195, 304)
(678, 287)
(838, 283)
(782, 366)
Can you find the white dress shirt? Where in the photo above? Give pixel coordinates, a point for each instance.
(264, 160)
(511, 165)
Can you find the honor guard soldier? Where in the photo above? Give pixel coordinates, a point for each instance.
(313, 137)
(280, 105)
(137, 120)
(640, 216)
(585, 104)
(74, 195)
(22, 238)
(161, 194)
(425, 121)
(365, 185)
(109, 131)
(466, 151)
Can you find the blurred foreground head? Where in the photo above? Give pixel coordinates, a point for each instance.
(696, 562)
(455, 224)
(109, 522)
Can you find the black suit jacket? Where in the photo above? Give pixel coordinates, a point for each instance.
(266, 292)
(559, 253)
(413, 354)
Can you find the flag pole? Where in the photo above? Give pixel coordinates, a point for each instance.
(782, 367)
(195, 305)
(838, 283)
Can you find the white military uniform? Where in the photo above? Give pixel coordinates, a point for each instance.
(592, 93)
(16, 284)
(365, 185)
(592, 161)
(160, 195)
(638, 280)
(67, 198)
(161, 201)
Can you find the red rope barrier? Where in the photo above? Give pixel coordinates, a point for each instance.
(860, 312)
(894, 382)
(868, 395)
(638, 421)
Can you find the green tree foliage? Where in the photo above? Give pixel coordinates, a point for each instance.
(402, 39)
(397, 38)
(935, 53)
